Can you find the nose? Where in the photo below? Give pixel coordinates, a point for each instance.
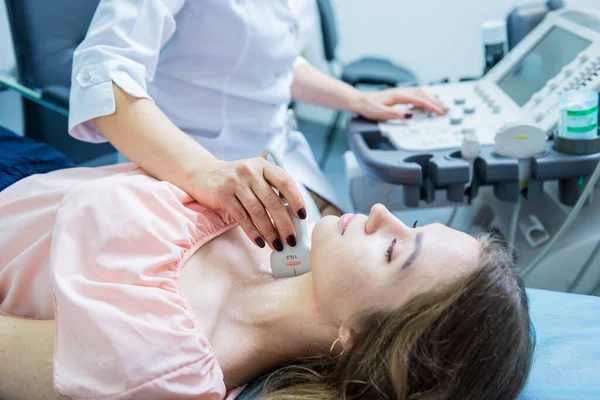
(380, 217)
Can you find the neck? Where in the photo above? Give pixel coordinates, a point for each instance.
(283, 323)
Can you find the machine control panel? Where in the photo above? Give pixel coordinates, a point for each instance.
(560, 54)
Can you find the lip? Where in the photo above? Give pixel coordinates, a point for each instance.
(344, 221)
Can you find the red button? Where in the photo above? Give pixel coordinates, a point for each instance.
(292, 263)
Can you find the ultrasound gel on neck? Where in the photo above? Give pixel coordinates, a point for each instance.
(578, 115)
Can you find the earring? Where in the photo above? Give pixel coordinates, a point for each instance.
(333, 346)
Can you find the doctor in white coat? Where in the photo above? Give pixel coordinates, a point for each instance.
(193, 91)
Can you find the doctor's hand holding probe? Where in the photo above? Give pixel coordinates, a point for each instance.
(193, 91)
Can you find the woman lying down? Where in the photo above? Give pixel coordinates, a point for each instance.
(114, 285)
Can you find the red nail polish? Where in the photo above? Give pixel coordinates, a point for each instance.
(278, 245)
(291, 240)
(302, 213)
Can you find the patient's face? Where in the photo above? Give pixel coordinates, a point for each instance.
(359, 266)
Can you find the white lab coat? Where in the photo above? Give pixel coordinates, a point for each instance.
(221, 70)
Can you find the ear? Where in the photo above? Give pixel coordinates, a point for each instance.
(345, 334)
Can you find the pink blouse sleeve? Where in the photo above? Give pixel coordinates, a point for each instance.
(124, 330)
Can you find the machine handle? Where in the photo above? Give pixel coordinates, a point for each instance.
(379, 159)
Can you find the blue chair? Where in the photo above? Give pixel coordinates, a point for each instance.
(567, 355)
(373, 71)
(45, 35)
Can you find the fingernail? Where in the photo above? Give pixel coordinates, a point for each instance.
(260, 242)
(277, 244)
(291, 240)
(302, 213)
(408, 115)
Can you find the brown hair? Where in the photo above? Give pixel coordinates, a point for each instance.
(472, 339)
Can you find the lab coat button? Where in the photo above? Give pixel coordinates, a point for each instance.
(87, 76)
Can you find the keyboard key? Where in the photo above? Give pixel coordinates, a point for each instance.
(470, 109)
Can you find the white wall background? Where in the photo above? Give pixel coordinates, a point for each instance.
(436, 38)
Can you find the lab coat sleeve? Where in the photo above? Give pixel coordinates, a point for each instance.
(122, 46)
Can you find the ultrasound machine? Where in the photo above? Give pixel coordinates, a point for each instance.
(497, 151)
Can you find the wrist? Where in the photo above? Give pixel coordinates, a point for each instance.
(193, 172)
(356, 102)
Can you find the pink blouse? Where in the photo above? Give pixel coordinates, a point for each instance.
(100, 250)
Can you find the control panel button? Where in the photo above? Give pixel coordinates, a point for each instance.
(455, 118)
(496, 109)
(469, 130)
(567, 72)
(411, 133)
(583, 58)
(469, 108)
(539, 117)
(420, 113)
(459, 101)
(537, 99)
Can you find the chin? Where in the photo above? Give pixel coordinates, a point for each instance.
(326, 226)
(323, 231)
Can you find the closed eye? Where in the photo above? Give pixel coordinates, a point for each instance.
(390, 250)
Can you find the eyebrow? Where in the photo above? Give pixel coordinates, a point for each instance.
(415, 252)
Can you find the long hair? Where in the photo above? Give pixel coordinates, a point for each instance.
(470, 340)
